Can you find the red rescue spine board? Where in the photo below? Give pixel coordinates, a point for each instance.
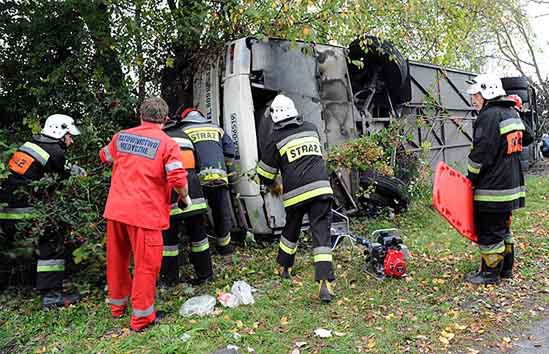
(453, 199)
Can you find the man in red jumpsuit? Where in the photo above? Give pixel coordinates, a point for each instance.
(146, 167)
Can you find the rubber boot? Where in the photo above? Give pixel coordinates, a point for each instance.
(56, 298)
(508, 261)
(486, 275)
(285, 272)
(325, 291)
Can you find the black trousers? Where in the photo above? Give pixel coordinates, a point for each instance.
(219, 202)
(200, 256)
(320, 214)
(493, 230)
(50, 266)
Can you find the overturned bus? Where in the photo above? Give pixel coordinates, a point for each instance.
(345, 92)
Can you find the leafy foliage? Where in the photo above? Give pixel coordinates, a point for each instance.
(361, 154)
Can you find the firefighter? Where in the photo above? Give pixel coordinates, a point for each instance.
(193, 218)
(293, 148)
(45, 153)
(216, 153)
(146, 168)
(495, 172)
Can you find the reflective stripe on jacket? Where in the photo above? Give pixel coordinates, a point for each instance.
(215, 150)
(295, 150)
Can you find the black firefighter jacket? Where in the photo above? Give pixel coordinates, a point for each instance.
(295, 150)
(494, 162)
(29, 163)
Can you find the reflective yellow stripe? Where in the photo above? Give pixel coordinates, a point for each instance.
(322, 258)
(264, 173)
(473, 169)
(43, 153)
(307, 195)
(500, 198)
(287, 249)
(204, 134)
(295, 142)
(194, 207)
(53, 268)
(213, 177)
(510, 128)
(16, 216)
(201, 248)
(170, 253)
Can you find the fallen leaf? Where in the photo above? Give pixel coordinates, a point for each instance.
(340, 334)
(371, 343)
(284, 321)
(300, 344)
(448, 335)
(444, 340)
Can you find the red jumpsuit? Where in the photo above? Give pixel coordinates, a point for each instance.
(146, 166)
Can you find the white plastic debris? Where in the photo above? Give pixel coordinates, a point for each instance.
(323, 333)
(185, 337)
(228, 299)
(243, 292)
(198, 305)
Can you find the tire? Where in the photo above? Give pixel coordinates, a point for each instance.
(516, 82)
(517, 86)
(384, 55)
(387, 191)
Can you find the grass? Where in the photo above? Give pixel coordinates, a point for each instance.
(432, 310)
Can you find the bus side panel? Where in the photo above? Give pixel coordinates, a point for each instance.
(239, 123)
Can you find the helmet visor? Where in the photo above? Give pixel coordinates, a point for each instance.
(474, 87)
(73, 130)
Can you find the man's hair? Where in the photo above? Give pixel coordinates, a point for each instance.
(154, 109)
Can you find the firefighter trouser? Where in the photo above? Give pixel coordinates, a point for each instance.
(220, 204)
(320, 214)
(146, 246)
(50, 266)
(494, 233)
(200, 249)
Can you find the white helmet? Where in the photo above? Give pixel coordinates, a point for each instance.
(58, 125)
(282, 108)
(489, 86)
